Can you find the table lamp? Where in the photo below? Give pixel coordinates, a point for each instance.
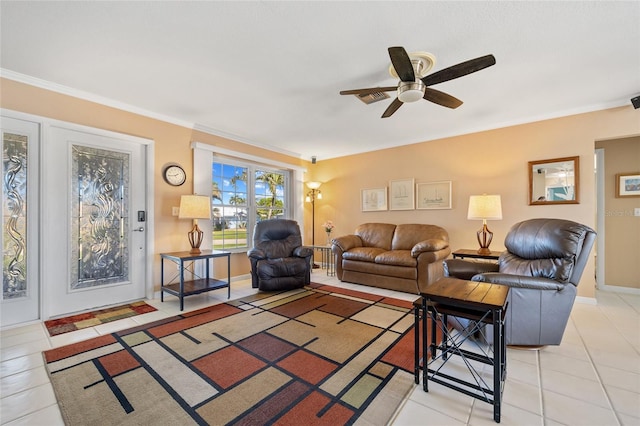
(485, 207)
(195, 207)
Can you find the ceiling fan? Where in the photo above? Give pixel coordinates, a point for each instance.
(413, 85)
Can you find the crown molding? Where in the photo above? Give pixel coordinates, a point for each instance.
(236, 138)
(91, 97)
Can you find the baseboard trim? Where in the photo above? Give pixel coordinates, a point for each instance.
(586, 300)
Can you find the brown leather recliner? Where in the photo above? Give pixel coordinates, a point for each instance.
(278, 259)
(543, 264)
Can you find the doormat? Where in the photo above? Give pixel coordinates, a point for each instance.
(318, 355)
(90, 319)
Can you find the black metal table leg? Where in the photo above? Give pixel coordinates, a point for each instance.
(162, 279)
(425, 312)
(498, 354)
(416, 341)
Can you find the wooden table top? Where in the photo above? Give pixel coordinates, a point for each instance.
(467, 294)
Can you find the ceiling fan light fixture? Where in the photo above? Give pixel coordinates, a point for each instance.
(411, 92)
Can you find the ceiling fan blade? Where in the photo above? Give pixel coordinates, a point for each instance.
(368, 91)
(397, 103)
(441, 98)
(459, 70)
(402, 63)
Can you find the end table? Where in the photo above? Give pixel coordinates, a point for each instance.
(197, 284)
(473, 254)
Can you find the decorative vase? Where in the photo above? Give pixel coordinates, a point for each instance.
(328, 238)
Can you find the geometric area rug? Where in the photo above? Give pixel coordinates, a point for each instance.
(90, 319)
(319, 355)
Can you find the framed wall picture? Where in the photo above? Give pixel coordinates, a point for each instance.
(628, 185)
(401, 194)
(433, 195)
(554, 181)
(374, 199)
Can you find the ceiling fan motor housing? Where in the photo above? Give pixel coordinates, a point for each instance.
(411, 91)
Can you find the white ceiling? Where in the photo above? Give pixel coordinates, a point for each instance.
(269, 73)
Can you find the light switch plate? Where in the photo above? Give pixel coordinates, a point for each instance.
(175, 211)
(636, 211)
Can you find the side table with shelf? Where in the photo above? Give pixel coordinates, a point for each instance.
(197, 284)
(484, 303)
(328, 258)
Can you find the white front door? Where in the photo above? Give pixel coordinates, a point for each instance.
(94, 219)
(20, 299)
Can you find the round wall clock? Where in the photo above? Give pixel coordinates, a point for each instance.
(175, 175)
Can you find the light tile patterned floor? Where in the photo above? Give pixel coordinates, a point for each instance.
(592, 378)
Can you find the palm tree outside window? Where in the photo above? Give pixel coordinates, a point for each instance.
(243, 194)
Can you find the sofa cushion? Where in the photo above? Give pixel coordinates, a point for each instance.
(401, 272)
(363, 254)
(376, 234)
(283, 267)
(397, 257)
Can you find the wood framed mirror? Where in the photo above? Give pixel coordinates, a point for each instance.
(554, 181)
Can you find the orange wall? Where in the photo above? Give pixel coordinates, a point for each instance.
(488, 162)
(492, 162)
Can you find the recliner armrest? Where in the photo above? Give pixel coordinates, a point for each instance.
(520, 281)
(303, 251)
(256, 253)
(465, 270)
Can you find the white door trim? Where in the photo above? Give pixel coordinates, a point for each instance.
(45, 125)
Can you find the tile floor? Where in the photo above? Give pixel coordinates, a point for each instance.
(592, 378)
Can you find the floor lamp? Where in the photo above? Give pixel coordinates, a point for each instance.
(313, 194)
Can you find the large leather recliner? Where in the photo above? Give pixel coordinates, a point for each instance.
(278, 259)
(543, 264)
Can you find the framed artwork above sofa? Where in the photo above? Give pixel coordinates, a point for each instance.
(433, 195)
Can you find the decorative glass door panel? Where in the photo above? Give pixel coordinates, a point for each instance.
(20, 297)
(100, 213)
(14, 215)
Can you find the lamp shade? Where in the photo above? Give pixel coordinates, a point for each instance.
(485, 207)
(195, 207)
(313, 185)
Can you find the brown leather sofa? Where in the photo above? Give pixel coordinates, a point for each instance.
(397, 257)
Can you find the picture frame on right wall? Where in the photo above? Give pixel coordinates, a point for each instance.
(628, 185)
(433, 195)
